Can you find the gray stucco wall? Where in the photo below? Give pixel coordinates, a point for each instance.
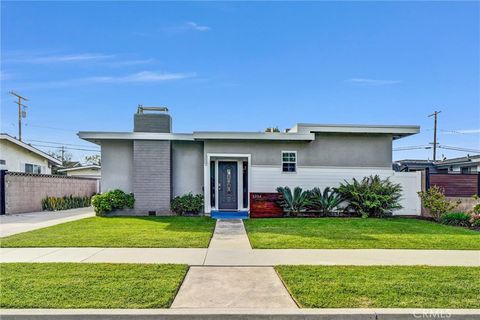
(187, 167)
(117, 165)
(151, 176)
(340, 150)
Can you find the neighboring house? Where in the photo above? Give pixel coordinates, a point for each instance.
(461, 165)
(19, 156)
(156, 164)
(465, 165)
(88, 171)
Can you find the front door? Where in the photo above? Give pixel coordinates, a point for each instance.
(227, 185)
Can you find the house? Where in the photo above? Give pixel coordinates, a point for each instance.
(156, 164)
(461, 165)
(18, 156)
(88, 171)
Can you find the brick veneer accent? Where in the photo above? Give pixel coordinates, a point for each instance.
(151, 177)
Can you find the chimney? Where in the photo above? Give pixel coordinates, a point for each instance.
(152, 119)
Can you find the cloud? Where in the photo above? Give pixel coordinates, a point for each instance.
(195, 26)
(144, 76)
(134, 78)
(45, 59)
(373, 82)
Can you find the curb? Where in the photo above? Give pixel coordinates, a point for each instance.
(237, 314)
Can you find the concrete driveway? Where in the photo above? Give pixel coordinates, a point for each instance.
(22, 222)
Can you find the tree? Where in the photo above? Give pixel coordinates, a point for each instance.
(272, 129)
(94, 160)
(62, 155)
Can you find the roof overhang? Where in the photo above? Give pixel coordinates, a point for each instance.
(397, 131)
(279, 136)
(98, 137)
(4, 136)
(80, 168)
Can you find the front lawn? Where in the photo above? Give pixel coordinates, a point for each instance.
(85, 285)
(147, 232)
(382, 287)
(357, 233)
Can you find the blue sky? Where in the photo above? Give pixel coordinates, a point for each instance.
(242, 66)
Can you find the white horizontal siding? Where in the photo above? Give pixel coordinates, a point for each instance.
(268, 178)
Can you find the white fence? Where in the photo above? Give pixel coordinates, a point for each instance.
(268, 178)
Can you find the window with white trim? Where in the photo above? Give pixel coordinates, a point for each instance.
(289, 161)
(32, 168)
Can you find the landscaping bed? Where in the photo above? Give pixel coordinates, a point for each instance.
(382, 287)
(358, 233)
(85, 285)
(141, 232)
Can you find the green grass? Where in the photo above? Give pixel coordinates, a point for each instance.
(100, 285)
(357, 233)
(383, 287)
(153, 232)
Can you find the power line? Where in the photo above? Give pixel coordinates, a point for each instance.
(69, 148)
(60, 143)
(459, 149)
(52, 128)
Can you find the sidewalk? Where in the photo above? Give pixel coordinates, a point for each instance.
(22, 222)
(232, 286)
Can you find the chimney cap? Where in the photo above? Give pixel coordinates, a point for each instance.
(141, 109)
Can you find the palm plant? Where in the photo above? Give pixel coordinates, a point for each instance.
(293, 203)
(371, 196)
(325, 201)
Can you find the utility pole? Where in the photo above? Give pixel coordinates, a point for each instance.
(21, 114)
(63, 154)
(434, 114)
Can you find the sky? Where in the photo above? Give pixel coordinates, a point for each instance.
(242, 66)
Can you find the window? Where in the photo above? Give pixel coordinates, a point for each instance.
(32, 168)
(3, 162)
(289, 161)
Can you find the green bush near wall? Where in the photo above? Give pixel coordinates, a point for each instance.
(112, 200)
(64, 203)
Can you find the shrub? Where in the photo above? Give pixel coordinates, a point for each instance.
(188, 203)
(456, 219)
(64, 203)
(434, 200)
(112, 200)
(475, 220)
(292, 203)
(476, 206)
(323, 202)
(371, 196)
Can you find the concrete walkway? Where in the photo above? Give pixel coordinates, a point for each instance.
(22, 222)
(232, 287)
(230, 247)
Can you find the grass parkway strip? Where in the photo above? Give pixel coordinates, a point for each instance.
(116, 232)
(75, 285)
(383, 287)
(358, 233)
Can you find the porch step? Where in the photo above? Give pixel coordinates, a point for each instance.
(215, 214)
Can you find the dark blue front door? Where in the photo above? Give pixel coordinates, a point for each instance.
(227, 185)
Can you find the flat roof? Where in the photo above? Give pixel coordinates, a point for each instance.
(397, 131)
(4, 136)
(300, 132)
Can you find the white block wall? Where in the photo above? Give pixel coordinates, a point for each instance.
(268, 178)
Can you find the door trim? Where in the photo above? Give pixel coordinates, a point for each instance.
(216, 157)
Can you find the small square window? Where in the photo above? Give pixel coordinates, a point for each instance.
(3, 162)
(289, 161)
